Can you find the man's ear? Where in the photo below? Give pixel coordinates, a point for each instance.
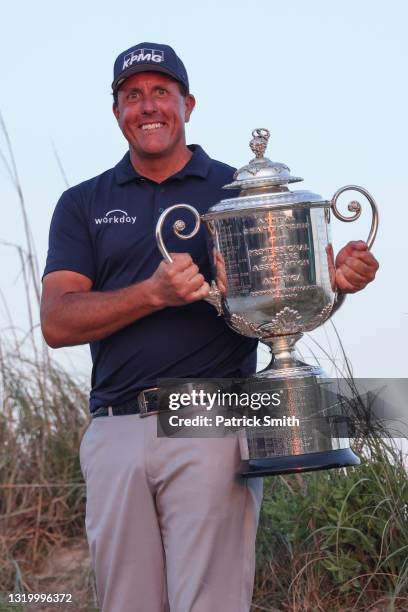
(189, 102)
(115, 111)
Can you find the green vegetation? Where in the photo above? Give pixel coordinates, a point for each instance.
(337, 540)
(331, 540)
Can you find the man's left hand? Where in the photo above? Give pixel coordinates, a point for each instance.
(355, 267)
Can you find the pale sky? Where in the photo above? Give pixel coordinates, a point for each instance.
(326, 78)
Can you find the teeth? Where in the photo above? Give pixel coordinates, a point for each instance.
(151, 126)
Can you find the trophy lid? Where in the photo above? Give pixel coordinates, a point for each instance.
(261, 171)
(263, 184)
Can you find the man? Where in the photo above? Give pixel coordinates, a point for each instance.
(168, 524)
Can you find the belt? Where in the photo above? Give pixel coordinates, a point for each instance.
(145, 403)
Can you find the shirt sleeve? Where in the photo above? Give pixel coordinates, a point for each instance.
(70, 245)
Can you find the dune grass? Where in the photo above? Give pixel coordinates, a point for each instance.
(337, 540)
(42, 494)
(331, 540)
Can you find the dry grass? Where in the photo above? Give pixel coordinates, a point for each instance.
(42, 500)
(334, 540)
(337, 540)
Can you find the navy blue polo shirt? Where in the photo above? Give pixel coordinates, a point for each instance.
(104, 228)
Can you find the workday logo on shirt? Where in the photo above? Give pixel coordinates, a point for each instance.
(115, 216)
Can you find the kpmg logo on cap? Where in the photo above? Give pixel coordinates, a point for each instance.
(142, 55)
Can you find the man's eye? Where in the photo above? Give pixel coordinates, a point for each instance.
(133, 95)
(161, 91)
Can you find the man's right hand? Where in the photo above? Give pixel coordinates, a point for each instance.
(71, 313)
(178, 283)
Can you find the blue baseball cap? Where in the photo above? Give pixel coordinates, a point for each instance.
(146, 57)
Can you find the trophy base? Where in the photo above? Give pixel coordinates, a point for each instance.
(309, 462)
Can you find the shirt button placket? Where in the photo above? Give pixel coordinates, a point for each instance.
(159, 200)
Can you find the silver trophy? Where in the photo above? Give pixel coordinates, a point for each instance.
(274, 279)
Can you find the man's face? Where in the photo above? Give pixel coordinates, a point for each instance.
(151, 112)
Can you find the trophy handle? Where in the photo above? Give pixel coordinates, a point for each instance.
(214, 297)
(178, 227)
(354, 207)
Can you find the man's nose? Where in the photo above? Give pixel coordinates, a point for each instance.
(148, 105)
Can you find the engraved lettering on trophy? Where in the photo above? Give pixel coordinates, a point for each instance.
(288, 221)
(276, 266)
(290, 248)
(291, 226)
(272, 219)
(274, 280)
(293, 257)
(276, 222)
(276, 259)
(286, 292)
(285, 262)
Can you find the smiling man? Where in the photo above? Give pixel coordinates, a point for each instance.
(169, 524)
(151, 111)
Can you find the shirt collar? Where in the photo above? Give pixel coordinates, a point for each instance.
(198, 165)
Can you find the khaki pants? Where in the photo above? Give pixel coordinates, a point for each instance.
(169, 525)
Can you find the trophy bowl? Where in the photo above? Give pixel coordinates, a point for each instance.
(274, 279)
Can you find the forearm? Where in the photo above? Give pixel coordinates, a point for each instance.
(82, 317)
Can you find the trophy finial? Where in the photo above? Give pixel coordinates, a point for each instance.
(260, 171)
(259, 141)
